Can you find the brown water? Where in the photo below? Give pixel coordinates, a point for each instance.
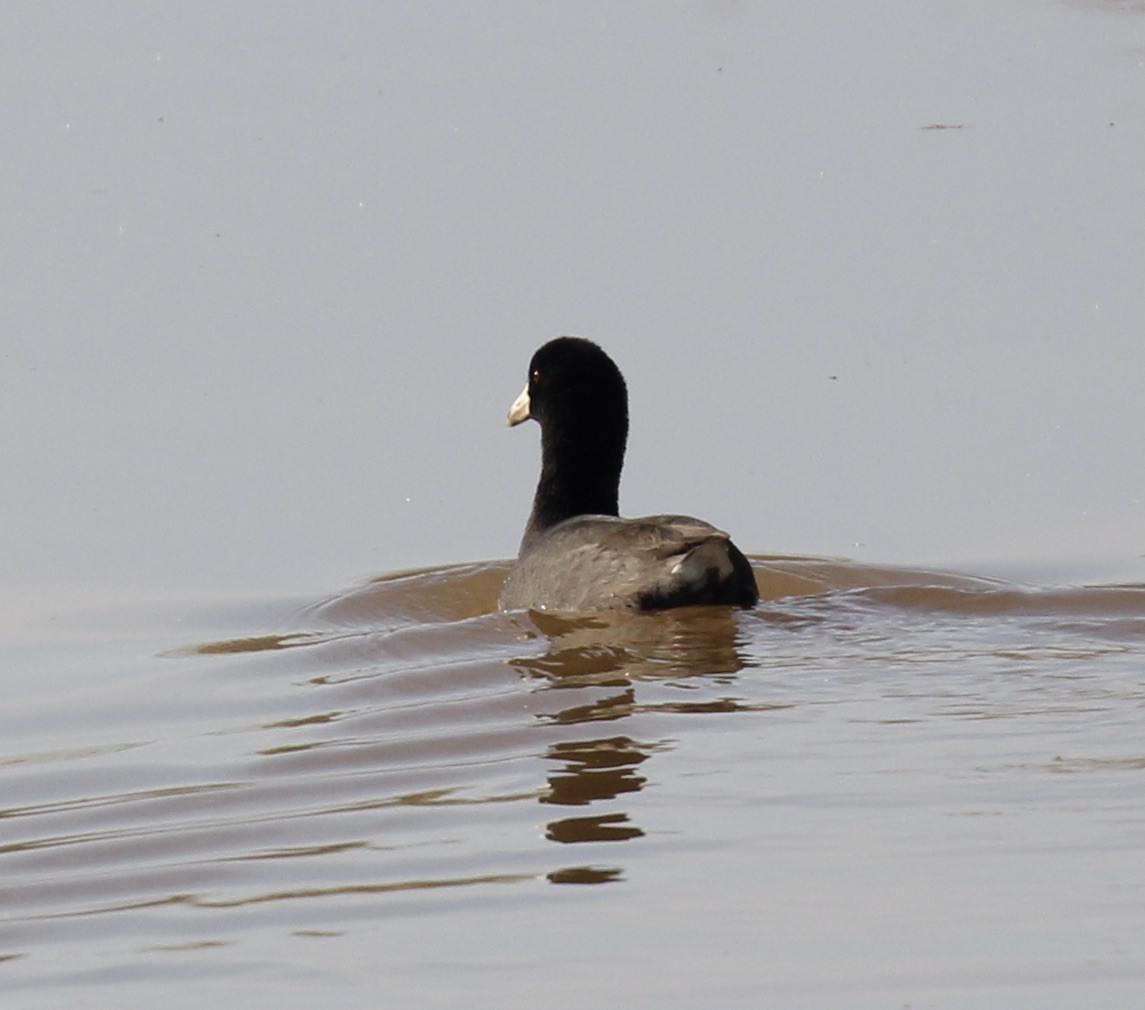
(273, 274)
(880, 788)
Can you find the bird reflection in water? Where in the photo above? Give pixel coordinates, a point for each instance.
(619, 666)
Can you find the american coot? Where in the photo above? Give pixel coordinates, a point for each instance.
(577, 554)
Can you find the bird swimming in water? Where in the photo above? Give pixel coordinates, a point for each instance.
(577, 554)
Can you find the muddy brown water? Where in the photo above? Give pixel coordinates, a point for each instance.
(880, 787)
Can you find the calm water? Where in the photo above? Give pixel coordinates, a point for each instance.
(273, 274)
(880, 788)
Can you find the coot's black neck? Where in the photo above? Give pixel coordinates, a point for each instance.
(580, 473)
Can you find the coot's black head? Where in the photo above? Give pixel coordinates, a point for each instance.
(577, 395)
(573, 385)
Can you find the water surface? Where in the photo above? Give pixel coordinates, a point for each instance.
(882, 787)
(273, 274)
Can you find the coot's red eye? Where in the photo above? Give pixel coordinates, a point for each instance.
(536, 375)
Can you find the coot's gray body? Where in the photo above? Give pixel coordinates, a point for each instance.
(577, 554)
(604, 562)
